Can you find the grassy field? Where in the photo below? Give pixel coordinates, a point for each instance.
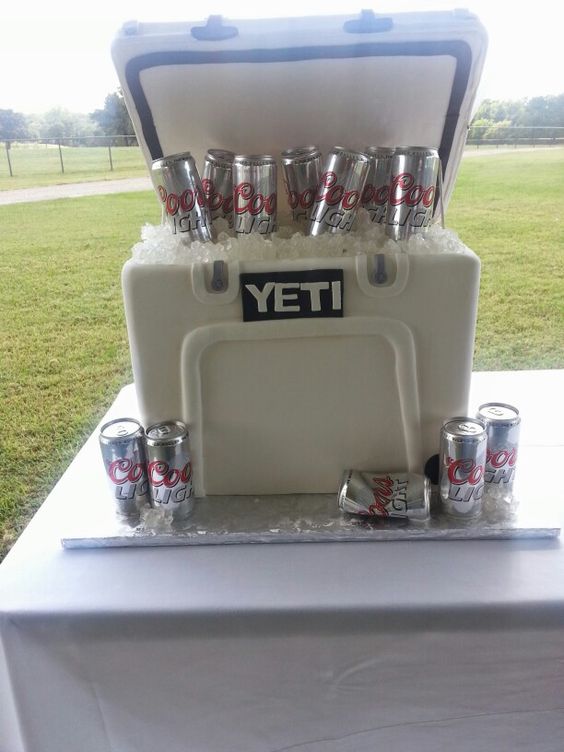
(63, 341)
(509, 209)
(39, 164)
(62, 331)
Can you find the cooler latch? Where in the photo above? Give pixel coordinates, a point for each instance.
(368, 23)
(214, 30)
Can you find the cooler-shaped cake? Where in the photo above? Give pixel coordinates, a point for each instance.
(286, 405)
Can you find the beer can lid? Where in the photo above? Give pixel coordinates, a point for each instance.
(220, 156)
(119, 429)
(360, 156)
(181, 157)
(379, 151)
(499, 412)
(464, 429)
(166, 433)
(255, 159)
(300, 154)
(425, 150)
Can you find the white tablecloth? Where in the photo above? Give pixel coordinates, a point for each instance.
(413, 646)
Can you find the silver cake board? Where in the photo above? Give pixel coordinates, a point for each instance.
(293, 519)
(302, 518)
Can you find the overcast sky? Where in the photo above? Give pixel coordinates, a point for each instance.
(57, 52)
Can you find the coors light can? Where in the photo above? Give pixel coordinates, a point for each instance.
(461, 467)
(302, 168)
(413, 184)
(180, 191)
(254, 194)
(502, 427)
(217, 182)
(169, 468)
(377, 189)
(340, 189)
(123, 453)
(391, 495)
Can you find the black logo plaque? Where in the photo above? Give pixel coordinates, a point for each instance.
(314, 293)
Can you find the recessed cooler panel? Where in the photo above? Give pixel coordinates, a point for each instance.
(276, 410)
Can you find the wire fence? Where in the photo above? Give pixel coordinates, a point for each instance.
(515, 135)
(93, 154)
(44, 159)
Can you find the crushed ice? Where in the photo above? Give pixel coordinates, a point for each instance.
(159, 246)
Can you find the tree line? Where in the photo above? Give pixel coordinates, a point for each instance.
(61, 124)
(496, 118)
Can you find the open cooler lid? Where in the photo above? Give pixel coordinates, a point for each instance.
(261, 86)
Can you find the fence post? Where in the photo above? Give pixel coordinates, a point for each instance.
(7, 145)
(110, 155)
(61, 158)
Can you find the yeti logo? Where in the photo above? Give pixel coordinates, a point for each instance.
(292, 295)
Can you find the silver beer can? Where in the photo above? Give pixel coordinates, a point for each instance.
(179, 188)
(461, 467)
(169, 468)
(123, 454)
(377, 189)
(217, 182)
(302, 170)
(503, 425)
(389, 495)
(254, 194)
(340, 189)
(413, 186)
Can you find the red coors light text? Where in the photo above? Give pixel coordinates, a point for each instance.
(125, 471)
(304, 199)
(464, 471)
(185, 202)
(332, 193)
(404, 190)
(161, 474)
(501, 457)
(500, 465)
(466, 479)
(216, 201)
(382, 491)
(248, 201)
(372, 195)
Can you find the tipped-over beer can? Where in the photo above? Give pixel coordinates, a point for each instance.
(169, 468)
(389, 495)
(377, 189)
(502, 427)
(339, 193)
(217, 182)
(413, 185)
(302, 168)
(461, 467)
(254, 194)
(123, 453)
(180, 191)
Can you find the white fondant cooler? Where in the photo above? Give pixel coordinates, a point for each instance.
(286, 405)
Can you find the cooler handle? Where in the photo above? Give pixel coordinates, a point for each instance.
(214, 30)
(368, 23)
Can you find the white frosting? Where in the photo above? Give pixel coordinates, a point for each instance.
(160, 246)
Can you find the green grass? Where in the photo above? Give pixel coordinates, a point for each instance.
(62, 332)
(39, 164)
(509, 209)
(62, 335)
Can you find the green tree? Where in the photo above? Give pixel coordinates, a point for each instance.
(114, 119)
(519, 119)
(13, 126)
(59, 123)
